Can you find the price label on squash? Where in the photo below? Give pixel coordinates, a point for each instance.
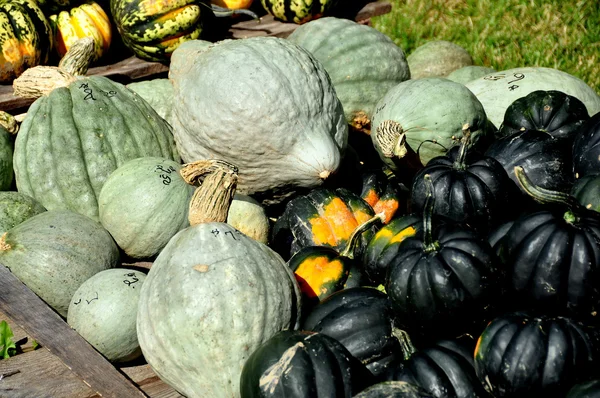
(511, 80)
(164, 173)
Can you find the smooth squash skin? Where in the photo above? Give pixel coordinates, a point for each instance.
(54, 252)
(211, 298)
(15, 208)
(437, 58)
(73, 138)
(158, 93)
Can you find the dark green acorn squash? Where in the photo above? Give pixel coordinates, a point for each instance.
(589, 389)
(552, 255)
(15, 208)
(361, 318)
(74, 137)
(384, 193)
(519, 355)
(587, 191)
(586, 151)
(298, 11)
(559, 114)
(303, 364)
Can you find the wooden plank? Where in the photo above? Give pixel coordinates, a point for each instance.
(38, 320)
(133, 68)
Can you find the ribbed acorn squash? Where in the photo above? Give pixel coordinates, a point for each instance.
(264, 104)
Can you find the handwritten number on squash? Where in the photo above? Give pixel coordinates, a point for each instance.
(89, 93)
(232, 234)
(129, 282)
(165, 173)
(511, 86)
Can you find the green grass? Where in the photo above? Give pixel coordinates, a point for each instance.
(505, 34)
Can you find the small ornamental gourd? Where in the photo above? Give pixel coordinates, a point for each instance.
(497, 90)
(84, 20)
(79, 131)
(25, 38)
(586, 151)
(15, 208)
(430, 113)
(303, 364)
(552, 255)
(54, 252)
(437, 58)
(362, 62)
(519, 355)
(198, 343)
(559, 114)
(298, 11)
(279, 120)
(103, 311)
(362, 319)
(443, 280)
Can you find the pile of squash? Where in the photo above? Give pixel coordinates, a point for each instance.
(318, 222)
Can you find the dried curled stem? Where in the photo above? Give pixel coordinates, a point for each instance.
(212, 199)
(391, 139)
(8, 122)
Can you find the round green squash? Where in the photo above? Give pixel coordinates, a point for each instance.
(496, 91)
(362, 62)
(158, 93)
(15, 208)
(6, 159)
(103, 311)
(263, 104)
(54, 252)
(73, 138)
(431, 112)
(437, 58)
(298, 11)
(587, 191)
(470, 72)
(143, 203)
(212, 297)
(249, 217)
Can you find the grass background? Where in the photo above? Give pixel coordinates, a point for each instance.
(505, 34)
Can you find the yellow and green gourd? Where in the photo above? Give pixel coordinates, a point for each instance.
(298, 11)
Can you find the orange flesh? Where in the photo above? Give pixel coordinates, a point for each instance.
(316, 272)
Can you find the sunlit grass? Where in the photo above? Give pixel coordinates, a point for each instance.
(505, 34)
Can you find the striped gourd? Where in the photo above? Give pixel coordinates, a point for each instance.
(74, 137)
(25, 37)
(153, 29)
(298, 11)
(88, 19)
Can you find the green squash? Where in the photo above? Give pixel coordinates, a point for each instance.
(143, 203)
(158, 93)
(298, 11)
(73, 138)
(15, 208)
(587, 191)
(249, 217)
(6, 159)
(103, 311)
(212, 297)
(54, 252)
(277, 118)
(496, 91)
(437, 58)
(470, 72)
(431, 112)
(362, 62)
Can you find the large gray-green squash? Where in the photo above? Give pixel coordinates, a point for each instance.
(158, 93)
(437, 58)
(74, 137)
(430, 113)
(103, 311)
(470, 72)
(143, 203)
(212, 296)
(54, 252)
(497, 91)
(264, 104)
(15, 208)
(362, 62)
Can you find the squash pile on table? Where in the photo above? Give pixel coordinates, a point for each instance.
(318, 222)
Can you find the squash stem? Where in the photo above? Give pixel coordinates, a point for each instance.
(428, 242)
(546, 196)
(406, 345)
(348, 251)
(459, 163)
(9, 123)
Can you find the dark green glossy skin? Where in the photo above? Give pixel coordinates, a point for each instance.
(552, 264)
(546, 160)
(590, 389)
(393, 389)
(296, 364)
(554, 112)
(519, 355)
(6, 158)
(587, 191)
(361, 319)
(586, 148)
(444, 369)
(474, 192)
(440, 291)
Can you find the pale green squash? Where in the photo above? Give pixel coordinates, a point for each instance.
(468, 73)
(249, 217)
(437, 58)
(158, 93)
(103, 311)
(212, 296)
(15, 208)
